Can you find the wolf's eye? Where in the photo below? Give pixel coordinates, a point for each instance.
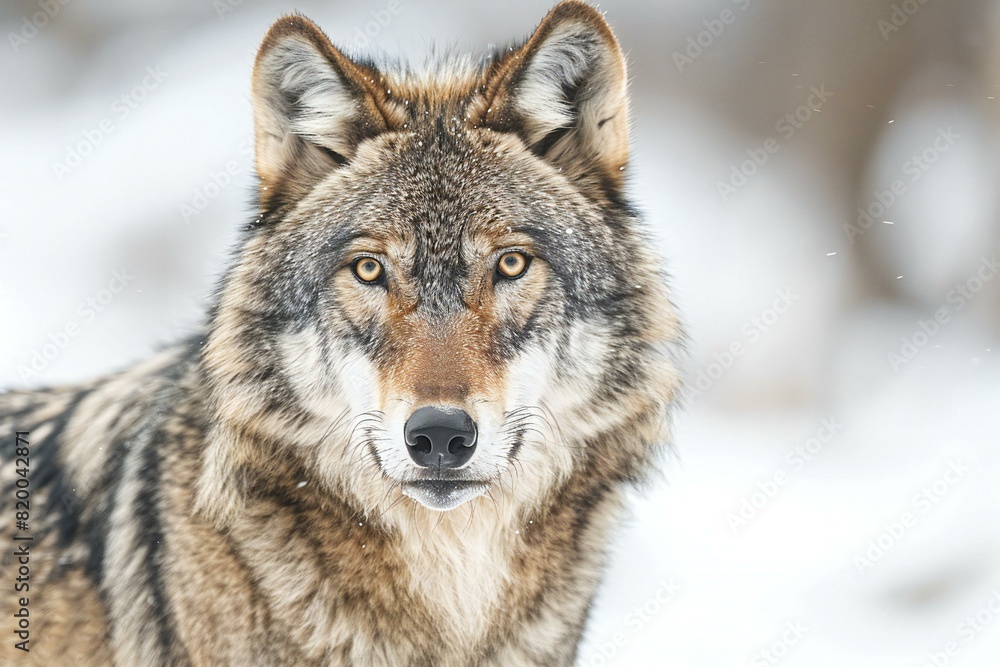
(512, 265)
(368, 270)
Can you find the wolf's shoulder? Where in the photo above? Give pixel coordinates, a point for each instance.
(73, 426)
(24, 409)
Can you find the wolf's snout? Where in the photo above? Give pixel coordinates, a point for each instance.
(440, 437)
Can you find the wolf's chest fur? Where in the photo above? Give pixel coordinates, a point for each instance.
(298, 578)
(442, 351)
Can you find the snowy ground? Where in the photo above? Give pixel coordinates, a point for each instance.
(826, 503)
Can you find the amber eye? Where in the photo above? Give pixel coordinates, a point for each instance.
(368, 270)
(512, 265)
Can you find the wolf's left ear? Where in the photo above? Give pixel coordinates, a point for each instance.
(565, 93)
(312, 106)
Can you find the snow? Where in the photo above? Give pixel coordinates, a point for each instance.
(770, 268)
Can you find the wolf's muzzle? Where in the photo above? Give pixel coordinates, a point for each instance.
(440, 437)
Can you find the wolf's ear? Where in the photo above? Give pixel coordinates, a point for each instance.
(312, 106)
(565, 93)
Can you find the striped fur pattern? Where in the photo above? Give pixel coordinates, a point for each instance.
(239, 498)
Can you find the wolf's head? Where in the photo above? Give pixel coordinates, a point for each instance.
(445, 293)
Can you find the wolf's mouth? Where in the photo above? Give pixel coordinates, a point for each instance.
(443, 494)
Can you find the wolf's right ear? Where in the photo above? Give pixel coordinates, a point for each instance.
(564, 92)
(312, 106)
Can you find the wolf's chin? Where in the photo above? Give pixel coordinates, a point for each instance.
(443, 495)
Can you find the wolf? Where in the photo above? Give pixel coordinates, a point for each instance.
(441, 356)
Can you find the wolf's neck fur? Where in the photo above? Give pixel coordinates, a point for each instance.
(471, 572)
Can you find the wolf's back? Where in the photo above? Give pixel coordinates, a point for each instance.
(63, 458)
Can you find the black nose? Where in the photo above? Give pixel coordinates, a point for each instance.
(439, 437)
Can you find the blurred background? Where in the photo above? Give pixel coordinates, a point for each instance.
(821, 177)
